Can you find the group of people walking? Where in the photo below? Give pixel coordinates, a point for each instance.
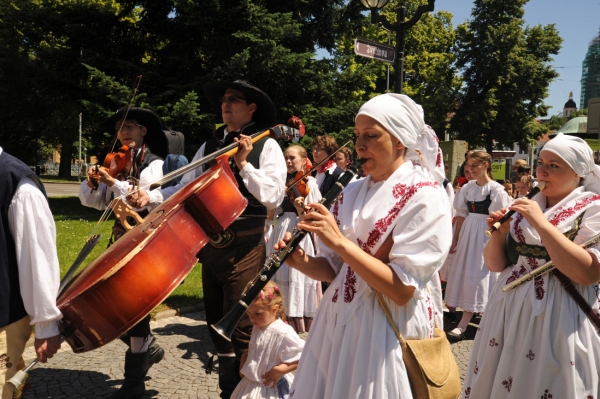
(390, 232)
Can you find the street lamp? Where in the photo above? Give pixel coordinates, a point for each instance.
(399, 27)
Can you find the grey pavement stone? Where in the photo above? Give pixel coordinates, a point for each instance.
(181, 374)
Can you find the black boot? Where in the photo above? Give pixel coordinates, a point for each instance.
(229, 375)
(136, 368)
(156, 352)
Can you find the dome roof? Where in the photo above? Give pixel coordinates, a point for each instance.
(570, 104)
(575, 125)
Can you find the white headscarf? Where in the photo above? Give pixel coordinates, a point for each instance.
(580, 157)
(403, 119)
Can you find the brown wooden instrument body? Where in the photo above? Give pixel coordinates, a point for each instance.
(139, 271)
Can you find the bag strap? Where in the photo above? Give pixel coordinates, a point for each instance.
(383, 254)
(581, 302)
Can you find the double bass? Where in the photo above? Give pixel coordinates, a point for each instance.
(135, 274)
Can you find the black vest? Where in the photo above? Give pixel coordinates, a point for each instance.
(11, 303)
(481, 207)
(329, 180)
(255, 208)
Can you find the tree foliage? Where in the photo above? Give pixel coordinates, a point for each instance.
(506, 73)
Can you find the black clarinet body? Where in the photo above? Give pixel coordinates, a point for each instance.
(227, 324)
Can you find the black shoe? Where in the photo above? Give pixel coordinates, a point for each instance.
(156, 352)
(455, 335)
(136, 368)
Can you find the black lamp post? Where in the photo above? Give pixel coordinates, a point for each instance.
(399, 27)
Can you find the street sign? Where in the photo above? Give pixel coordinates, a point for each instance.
(378, 51)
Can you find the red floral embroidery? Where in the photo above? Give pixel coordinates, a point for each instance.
(336, 209)
(546, 395)
(508, 383)
(335, 295)
(349, 285)
(438, 161)
(516, 274)
(563, 214)
(530, 355)
(476, 369)
(404, 193)
(539, 288)
(467, 392)
(493, 342)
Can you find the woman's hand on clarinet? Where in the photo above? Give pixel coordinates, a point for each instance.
(297, 258)
(530, 210)
(495, 217)
(323, 225)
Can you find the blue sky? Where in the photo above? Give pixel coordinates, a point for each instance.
(577, 21)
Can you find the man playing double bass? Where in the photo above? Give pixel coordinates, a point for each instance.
(142, 132)
(236, 256)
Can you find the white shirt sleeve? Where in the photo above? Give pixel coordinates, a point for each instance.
(460, 202)
(267, 184)
(32, 227)
(500, 198)
(422, 238)
(93, 198)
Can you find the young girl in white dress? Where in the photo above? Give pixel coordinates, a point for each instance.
(535, 341)
(300, 292)
(469, 281)
(351, 351)
(273, 353)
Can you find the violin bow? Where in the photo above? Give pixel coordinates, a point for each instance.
(316, 166)
(136, 85)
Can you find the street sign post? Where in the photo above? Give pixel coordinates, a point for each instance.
(378, 51)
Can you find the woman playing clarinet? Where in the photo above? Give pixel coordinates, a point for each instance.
(352, 351)
(535, 341)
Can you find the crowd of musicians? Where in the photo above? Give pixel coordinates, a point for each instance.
(399, 230)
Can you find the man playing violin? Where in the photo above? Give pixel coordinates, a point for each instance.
(234, 257)
(145, 146)
(27, 257)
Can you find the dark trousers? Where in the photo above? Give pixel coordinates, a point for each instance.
(141, 329)
(225, 274)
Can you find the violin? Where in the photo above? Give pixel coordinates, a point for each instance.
(117, 164)
(297, 186)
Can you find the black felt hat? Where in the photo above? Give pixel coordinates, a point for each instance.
(155, 138)
(265, 113)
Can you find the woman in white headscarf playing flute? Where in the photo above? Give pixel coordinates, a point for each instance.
(535, 341)
(352, 351)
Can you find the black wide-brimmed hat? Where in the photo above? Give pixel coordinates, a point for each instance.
(155, 138)
(265, 113)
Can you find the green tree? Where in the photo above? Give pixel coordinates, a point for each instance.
(506, 73)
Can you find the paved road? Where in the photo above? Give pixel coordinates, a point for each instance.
(98, 373)
(61, 189)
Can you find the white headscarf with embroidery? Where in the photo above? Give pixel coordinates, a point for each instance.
(580, 157)
(403, 119)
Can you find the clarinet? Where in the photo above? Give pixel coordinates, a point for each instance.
(227, 324)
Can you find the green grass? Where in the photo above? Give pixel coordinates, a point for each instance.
(56, 179)
(75, 222)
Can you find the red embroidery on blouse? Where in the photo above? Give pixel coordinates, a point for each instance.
(516, 274)
(438, 161)
(546, 395)
(532, 262)
(508, 383)
(336, 209)
(539, 288)
(335, 295)
(563, 214)
(349, 285)
(404, 193)
(493, 342)
(476, 370)
(530, 355)
(467, 392)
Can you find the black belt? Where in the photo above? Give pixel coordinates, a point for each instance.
(241, 233)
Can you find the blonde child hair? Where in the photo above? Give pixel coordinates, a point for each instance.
(270, 296)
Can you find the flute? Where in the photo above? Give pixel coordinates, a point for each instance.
(509, 214)
(547, 267)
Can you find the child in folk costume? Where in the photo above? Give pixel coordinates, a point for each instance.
(535, 341)
(274, 350)
(300, 292)
(469, 281)
(352, 351)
